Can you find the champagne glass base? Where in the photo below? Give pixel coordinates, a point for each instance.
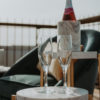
(46, 90)
(66, 90)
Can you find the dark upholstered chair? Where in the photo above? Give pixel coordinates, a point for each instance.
(25, 74)
(26, 64)
(85, 70)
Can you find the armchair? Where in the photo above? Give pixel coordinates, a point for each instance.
(85, 70)
(23, 74)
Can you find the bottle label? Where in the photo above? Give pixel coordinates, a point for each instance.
(68, 11)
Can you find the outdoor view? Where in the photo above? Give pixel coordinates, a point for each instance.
(45, 12)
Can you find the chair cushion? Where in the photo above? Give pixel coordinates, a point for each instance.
(11, 84)
(33, 80)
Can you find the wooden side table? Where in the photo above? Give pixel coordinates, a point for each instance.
(75, 57)
(81, 55)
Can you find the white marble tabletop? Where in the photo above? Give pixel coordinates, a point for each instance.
(35, 94)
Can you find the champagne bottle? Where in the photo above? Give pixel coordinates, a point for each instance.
(69, 12)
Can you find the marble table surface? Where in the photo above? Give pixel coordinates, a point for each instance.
(56, 94)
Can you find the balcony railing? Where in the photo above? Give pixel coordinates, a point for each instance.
(18, 38)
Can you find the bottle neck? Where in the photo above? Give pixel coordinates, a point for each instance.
(68, 4)
(69, 12)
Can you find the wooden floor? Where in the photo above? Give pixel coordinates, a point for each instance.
(96, 94)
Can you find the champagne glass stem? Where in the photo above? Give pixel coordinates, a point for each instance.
(65, 76)
(46, 77)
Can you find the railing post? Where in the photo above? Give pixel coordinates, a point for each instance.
(36, 36)
(7, 45)
(14, 48)
(99, 26)
(22, 39)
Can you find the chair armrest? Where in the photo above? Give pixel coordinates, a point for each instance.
(81, 47)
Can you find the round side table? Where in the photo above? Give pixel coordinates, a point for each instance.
(35, 94)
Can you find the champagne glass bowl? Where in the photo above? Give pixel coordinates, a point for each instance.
(45, 58)
(64, 50)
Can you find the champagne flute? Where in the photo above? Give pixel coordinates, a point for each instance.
(45, 58)
(64, 49)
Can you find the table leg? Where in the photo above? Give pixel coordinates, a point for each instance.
(90, 97)
(70, 75)
(13, 97)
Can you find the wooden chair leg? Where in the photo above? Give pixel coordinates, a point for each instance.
(41, 74)
(90, 97)
(13, 97)
(71, 73)
(41, 77)
(68, 76)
